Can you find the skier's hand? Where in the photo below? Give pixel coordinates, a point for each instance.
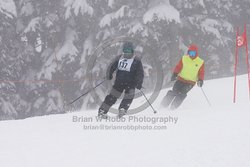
(138, 87)
(110, 77)
(200, 83)
(174, 77)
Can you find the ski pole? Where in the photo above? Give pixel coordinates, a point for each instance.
(148, 102)
(86, 92)
(206, 97)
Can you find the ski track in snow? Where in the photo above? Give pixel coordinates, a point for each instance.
(204, 136)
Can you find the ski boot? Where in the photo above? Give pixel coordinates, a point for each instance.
(102, 114)
(122, 112)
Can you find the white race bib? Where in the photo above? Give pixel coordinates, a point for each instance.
(125, 64)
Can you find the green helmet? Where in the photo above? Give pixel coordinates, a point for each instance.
(128, 48)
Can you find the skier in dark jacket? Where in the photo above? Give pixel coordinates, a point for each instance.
(129, 76)
(188, 72)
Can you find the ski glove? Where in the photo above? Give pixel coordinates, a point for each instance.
(110, 77)
(138, 87)
(174, 77)
(200, 83)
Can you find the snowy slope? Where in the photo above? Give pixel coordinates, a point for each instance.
(218, 136)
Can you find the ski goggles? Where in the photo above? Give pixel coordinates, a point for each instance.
(192, 53)
(128, 50)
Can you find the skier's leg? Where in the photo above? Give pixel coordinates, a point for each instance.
(127, 100)
(168, 99)
(183, 89)
(111, 98)
(178, 101)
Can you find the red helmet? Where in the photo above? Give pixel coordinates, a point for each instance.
(193, 48)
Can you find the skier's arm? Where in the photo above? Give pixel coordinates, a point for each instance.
(201, 72)
(113, 66)
(178, 67)
(139, 75)
(177, 70)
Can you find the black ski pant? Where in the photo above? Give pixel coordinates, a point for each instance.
(176, 96)
(116, 92)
